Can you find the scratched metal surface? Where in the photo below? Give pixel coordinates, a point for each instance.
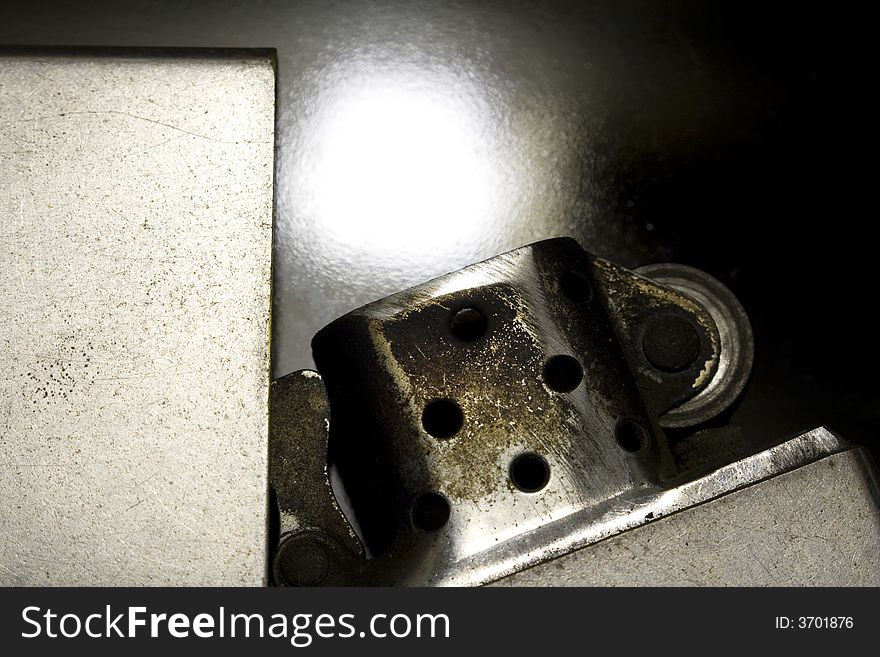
(814, 526)
(135, 227)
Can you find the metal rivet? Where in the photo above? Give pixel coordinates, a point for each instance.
(671, 343)
(303, 562)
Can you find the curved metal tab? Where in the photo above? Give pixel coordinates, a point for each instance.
(316, 543)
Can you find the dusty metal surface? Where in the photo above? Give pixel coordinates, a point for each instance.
(489, 419)
(135, 225)
(805, 512)
(817, 525)
(430, 495)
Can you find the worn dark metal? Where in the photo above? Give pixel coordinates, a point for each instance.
(671, 343)
(304, 560)
(666, 343)
(437, 393)
(316, 544)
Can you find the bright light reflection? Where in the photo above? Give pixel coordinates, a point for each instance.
(402, 166)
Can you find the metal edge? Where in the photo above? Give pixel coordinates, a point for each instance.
(638, 507)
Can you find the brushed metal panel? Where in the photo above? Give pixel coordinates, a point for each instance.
(136, 198)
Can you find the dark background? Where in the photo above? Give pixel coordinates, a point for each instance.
(417, 137)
